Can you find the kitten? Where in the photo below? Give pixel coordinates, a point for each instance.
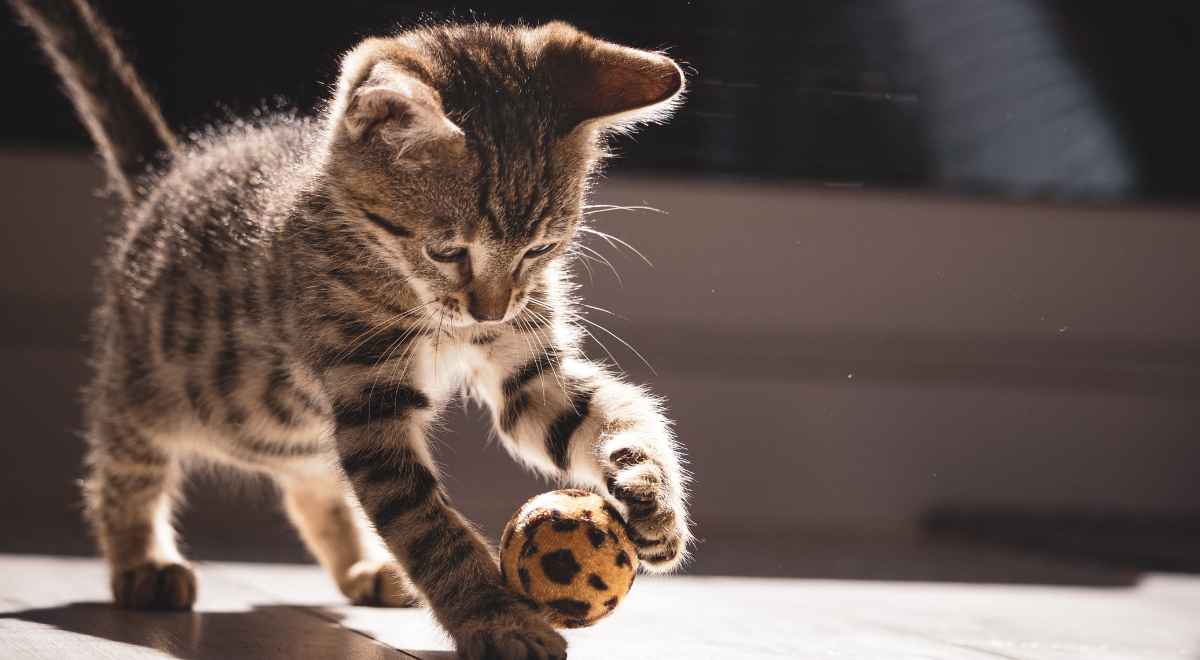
(302, 297)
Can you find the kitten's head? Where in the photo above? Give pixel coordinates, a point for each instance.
(461, 153)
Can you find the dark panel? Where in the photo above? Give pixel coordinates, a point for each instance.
(1014, 97)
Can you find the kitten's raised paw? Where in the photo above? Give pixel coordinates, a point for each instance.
(662, 548)
(656, 527)
(167, 587)
(379, 584)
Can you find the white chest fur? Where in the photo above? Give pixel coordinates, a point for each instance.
(449, 365)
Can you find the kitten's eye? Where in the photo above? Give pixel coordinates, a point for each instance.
(447, 254)
(539, 250)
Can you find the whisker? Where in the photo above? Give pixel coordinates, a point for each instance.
(601, 309)
(618, 338)
(406, 355)
(543, 343)
(592, 209)
(402, 340)
(526, 330)
(437, 341)
(583, 259)
(406, 358)
(603, 346)
(576, 315)
(374, 331)
(604, 260)
(610, 238)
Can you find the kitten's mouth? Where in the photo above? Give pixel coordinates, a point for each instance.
(452, 315)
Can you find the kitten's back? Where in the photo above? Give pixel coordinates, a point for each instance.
(215, 201)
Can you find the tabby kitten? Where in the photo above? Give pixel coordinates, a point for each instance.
(302, 297)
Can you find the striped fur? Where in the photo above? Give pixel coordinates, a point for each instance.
(302, 297)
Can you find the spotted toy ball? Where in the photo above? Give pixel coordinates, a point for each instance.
(568, 550)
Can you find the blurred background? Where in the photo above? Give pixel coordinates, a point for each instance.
(924, 294)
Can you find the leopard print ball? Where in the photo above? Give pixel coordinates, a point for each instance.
(568, 550)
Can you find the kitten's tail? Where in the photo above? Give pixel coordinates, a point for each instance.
(120, 115)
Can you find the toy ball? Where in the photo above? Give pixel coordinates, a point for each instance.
(568, 551)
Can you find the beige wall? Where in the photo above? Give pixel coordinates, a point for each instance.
(844, 359)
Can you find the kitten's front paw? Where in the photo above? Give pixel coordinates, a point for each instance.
(657, 521)
(378, 584)
(513, 645)
(155, 586)
(511, 629)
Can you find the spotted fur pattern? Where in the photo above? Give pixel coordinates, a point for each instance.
(568, 550)
(303, 297)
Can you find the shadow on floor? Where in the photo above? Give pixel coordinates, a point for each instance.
(94, 629)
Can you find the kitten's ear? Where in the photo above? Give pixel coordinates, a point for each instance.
(597, 81)
(396, 106)
(380, 95)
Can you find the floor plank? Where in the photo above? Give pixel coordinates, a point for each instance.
(53, 608)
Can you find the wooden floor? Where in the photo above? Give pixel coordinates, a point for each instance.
(55, 608)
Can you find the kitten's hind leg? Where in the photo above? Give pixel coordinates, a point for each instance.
(130, 489)
(338, 534)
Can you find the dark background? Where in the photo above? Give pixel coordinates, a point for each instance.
(1045, 99)
(924, 294)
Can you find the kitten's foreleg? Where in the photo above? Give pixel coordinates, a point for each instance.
(130, 490)
(385, 458)
(574, 419)
(640, 463)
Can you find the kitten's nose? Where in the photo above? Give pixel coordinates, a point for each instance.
(488, 303)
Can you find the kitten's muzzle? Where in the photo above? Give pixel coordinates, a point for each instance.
(489, 302)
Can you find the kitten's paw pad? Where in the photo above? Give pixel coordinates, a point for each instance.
(641, 487)
(660, 539)
(155, 586)
(540, 643)
(378, 584)
(662, 554)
